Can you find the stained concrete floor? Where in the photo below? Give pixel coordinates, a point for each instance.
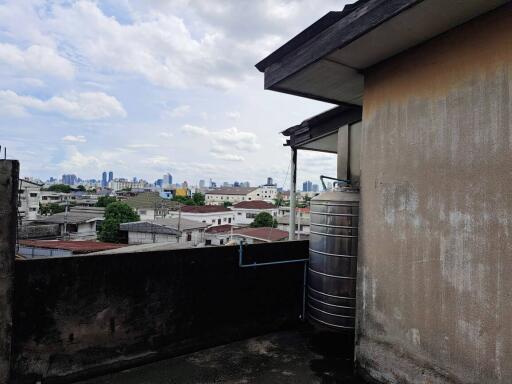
(284, 357)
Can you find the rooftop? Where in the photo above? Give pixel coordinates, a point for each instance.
(77, 247)
(142, 248)
(151, 200)
(75, 215)
(294, 357)
(231, 191)
(169, 226)
(286, 220)
(262, 233)
(220, 229)
(204, 209)
(254, 204)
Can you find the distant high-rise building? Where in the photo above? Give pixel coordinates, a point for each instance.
(236, 184)
(167, 179)
(307, 186)
(110, 176)
(159, 183)
(104, 180)
(270, 181)
(245, 184)
(202, 184)
(69, 179)
(315, 188)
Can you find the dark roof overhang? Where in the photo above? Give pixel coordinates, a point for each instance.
(327, 60)
(318, 132)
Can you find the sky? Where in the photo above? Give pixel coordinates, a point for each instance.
(147, 87)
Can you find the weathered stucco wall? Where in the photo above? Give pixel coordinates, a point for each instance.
(435, 286)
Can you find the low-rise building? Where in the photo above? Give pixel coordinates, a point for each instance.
(302, 225)
(230, 195)
(78, 223)
(212, 215)
(218, 235)
(28, 194)
(171, 230)
(151, 206)
(246, 211)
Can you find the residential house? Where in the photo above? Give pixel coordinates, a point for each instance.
(151, 206)
(219, 234)
(171, 230)
(28, 197)
(423, 128)
(47, 197)
(233, 195)
(246, 211)
(78, 223)
(212, 215)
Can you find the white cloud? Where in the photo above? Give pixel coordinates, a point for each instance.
(228, 156)
(179, 111)
(141, 146)
(230, 137)
(83, 106)
(36, 59)
(233, 115)
(74, 139)
(195, 130)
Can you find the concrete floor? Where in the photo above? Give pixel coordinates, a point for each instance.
(285, 357)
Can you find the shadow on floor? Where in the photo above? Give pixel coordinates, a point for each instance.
(298, 356)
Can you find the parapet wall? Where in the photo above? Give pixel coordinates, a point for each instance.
(79, 316)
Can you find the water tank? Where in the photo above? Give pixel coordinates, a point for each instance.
(332, 270)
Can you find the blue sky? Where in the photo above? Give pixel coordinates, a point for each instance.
(147, 87)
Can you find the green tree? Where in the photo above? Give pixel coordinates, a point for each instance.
(264, 219)
(50, 209)
(80, 188)
(198, 198)
(227, 204)
(116, 213)
(104, 201)
(183, 200)
(60, 188)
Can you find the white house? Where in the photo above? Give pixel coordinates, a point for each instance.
(246, 211)
(212, 215)
(175, 230)
(28, 194)
(231, 195)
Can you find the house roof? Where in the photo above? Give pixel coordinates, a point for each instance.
(204, 209)
(77, 247)
(262, 233)
(151, 200)
(231, 191)
(220, 229)
(25, 181)
(254, 204)
(327, 60)
(164, 226)
(323, 126)
(75, 215)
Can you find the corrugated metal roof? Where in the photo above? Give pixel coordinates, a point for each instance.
(204, 209)
(262, 233)
(74, 246)
(164, 226)
(231, 191)
(151, 200)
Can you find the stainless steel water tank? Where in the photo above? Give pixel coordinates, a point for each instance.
(331, 299)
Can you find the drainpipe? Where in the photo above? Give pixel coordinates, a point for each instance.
(293, 188)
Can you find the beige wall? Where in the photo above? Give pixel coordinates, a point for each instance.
(435, 272)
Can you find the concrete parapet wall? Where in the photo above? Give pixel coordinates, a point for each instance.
(79, 316)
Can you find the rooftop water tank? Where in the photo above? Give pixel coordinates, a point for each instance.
(331, 299)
